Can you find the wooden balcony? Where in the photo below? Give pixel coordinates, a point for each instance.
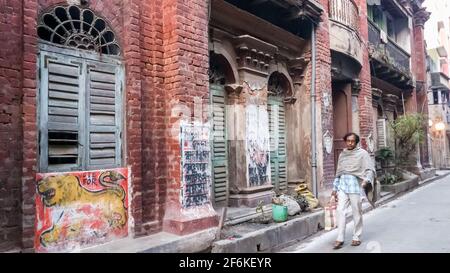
(389, 61)
(344, 28)
(345, 12)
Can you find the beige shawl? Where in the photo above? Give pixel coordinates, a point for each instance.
(356, 162)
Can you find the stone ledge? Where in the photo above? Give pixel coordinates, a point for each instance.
(267, 239)
(401, 186)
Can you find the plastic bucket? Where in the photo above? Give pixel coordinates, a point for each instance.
(279, 213)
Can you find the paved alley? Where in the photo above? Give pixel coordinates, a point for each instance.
(416, 222)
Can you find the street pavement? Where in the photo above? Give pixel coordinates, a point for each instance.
(418, 221)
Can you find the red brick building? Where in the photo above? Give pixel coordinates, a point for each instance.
(196, 104)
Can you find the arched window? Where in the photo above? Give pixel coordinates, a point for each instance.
(278, 90)
(80, 95)
(79, 28)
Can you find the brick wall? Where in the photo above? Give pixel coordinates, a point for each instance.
(419, 61)
(30, 147)
(365, 95)
(153, 116)
(186, 62)
(10, 123)
(123, 16)
(323, 86)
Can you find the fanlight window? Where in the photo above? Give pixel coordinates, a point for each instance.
(79, 28)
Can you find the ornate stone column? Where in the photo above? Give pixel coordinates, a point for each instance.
(356, 88)
(250, 179)
(390, 105)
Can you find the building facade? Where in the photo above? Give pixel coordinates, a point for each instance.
(128, 118)
(437, 39)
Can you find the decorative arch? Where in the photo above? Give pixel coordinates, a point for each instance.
(79, 28)
(228, 55)
(220, 70)
(281, 69)
(279, 85)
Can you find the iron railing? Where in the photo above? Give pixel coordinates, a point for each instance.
(345, 12)
(388, 50)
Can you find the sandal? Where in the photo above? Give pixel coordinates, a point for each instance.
(356, 243)
(338, 245)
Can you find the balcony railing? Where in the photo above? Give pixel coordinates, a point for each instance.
(345, 12)
(388, 50)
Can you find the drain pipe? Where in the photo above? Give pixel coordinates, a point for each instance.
(313, 112)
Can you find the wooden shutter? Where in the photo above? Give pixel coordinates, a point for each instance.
(103, 108)
(61, 88)
(80, 110)
(381, 133)
(277, 137)
(219, 143)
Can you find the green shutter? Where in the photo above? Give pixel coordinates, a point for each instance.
(381, 133)
(61, 88)
(219, 145)
(277, 136)
(79, 113)
(103, 106)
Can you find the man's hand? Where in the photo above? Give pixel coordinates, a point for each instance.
(334, 194)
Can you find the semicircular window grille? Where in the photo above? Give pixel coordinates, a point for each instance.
(79, 28)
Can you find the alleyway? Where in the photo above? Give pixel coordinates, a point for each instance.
(416, 222)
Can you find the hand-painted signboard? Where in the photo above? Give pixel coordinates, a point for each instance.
(196, 167)
(79, 209)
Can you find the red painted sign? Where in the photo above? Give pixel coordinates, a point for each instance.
(79, 209)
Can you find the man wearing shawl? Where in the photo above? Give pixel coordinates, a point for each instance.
(355, 171)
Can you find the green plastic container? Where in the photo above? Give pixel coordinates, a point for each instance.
(279, 213)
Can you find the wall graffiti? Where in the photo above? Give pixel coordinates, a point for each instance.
(78, 209)
(258, 145)
(195, 164)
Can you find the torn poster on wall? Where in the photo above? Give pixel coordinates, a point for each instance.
(195, 164)
(258, 145)
(79, 209)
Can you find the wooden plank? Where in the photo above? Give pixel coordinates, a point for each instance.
(65, 119)
(102, 107)
(63, 79)
(103, 86)
(102, 153)
(102, 93)
(62, 111)
(103, 77)
(102, 119)
(63, 103)
(102, 137)
(102, 145)
(108, 129)
(61, 140)
(68, 150)
(63, 87)
(63, 69)
(102, 161)
(102, 100)
(61, 126)
(62, 95)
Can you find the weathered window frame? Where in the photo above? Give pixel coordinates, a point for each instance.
(49, 51)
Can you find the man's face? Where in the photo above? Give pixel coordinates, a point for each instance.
(351, 142)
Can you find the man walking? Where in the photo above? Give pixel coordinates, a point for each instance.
(355, 170)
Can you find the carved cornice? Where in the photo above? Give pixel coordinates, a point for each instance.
(296, 68)
(376, 96)
(356, 87)
(309, 9)
(253, 54)
(420, 17)
(390, 102)
(233, 89)
(290, 100)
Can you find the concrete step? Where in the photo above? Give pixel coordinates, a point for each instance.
(237, 216)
